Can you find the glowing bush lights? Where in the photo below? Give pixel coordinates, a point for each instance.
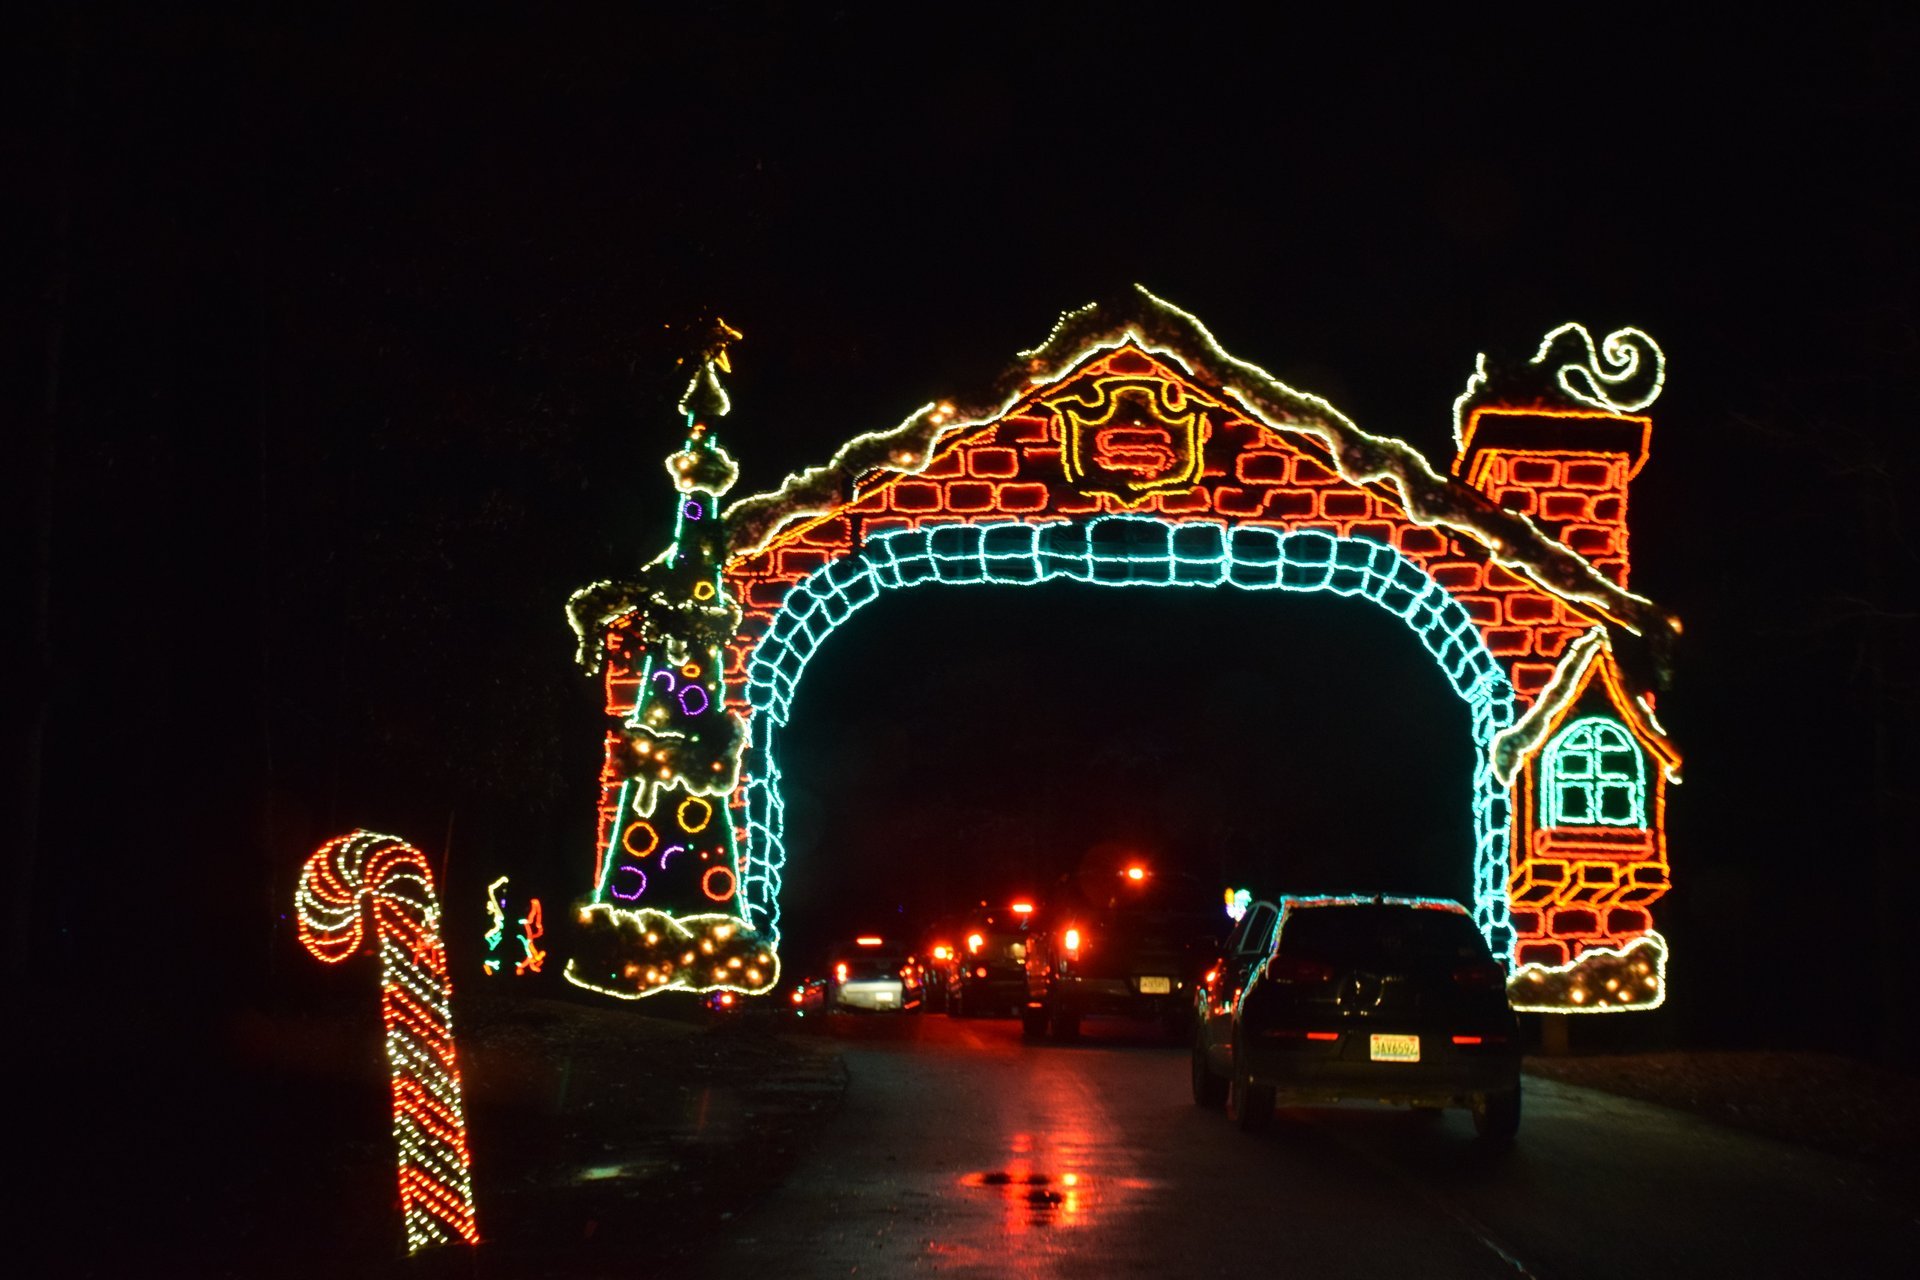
(344, 882)
(1602, 980)
(1129, 449)
(630, 954)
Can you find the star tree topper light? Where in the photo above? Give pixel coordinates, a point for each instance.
(1130, 450)
(663, 914)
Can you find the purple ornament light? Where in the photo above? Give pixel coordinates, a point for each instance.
(629, 897)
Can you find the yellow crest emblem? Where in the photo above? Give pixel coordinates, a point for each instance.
(1137, 437)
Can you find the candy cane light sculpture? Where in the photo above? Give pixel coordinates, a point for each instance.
(346, 879)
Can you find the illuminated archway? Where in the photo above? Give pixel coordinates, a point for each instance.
(1130, 449)
(1124, 551)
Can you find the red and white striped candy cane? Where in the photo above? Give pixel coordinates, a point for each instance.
(345, 879)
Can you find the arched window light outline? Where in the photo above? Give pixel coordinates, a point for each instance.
(1575, 764)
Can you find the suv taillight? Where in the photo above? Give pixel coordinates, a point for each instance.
(1297, 969)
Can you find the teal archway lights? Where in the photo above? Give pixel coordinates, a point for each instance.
(1123, 551)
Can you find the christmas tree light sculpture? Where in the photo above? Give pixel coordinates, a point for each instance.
(663, 913)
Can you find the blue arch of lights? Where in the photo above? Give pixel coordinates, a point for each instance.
(1122, 551)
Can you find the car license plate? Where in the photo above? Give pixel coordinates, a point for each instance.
(883, 997)
(1155, 986)
(1396, 1048)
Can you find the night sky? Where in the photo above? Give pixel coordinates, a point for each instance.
(349, 353)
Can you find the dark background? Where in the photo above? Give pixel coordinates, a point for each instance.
(346, 351)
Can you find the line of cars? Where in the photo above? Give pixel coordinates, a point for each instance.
(980, 961)
(1128, 942)
(1303, 1001)
(975, 970)
(873, 973)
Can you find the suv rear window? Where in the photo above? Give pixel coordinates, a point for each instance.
(873, 968)
(1375, 934)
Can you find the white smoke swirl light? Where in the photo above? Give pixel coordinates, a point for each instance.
(1623, 375)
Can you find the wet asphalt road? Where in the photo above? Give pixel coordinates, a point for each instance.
(962, 1151)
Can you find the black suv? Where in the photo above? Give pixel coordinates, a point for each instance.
(1132, 942)
(986, 971)
(1389, 999)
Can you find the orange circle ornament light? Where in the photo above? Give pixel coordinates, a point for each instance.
(726, 879)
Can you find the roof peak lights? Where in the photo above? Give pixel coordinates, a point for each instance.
(1160, 328)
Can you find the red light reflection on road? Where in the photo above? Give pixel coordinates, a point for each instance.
(1045, 1182)
(1046, 1160)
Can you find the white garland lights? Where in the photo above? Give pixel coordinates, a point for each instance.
(1606, 378)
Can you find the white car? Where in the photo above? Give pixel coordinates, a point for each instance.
(875, 977)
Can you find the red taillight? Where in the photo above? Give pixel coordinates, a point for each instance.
(1295, 1033)
(1485, 977)
(1071, 939)
(1211, 976)
(840, 972)
(975, 942)
(798, 997)
(1295, 969)
(1468, 1040)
